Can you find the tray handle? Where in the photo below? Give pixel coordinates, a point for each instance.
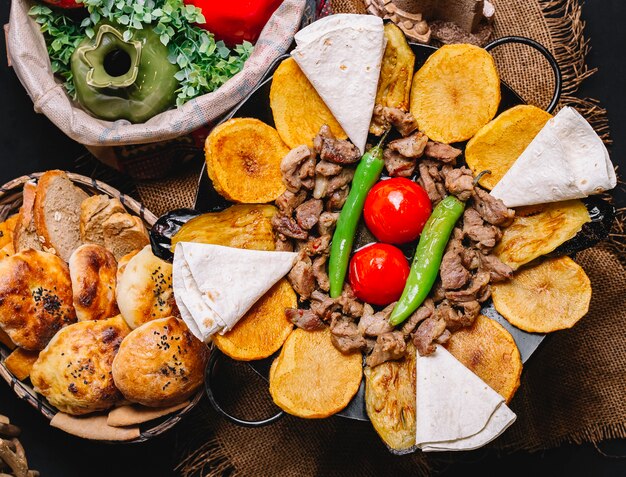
(558, 77)
(216, 356)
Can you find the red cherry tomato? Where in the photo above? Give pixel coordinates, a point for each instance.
(235, 20)
(64, 3)
(396, 210)
(378, 273)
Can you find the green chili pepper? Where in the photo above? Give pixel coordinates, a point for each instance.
(427, 259)
(366, 175)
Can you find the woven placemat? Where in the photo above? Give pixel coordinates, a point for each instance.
(573, 388)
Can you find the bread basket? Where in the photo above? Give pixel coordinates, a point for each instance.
(10, 202)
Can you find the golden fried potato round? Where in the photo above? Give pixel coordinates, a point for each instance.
(74, 371)
(6, 230)
(35, 298)
(390, 400)
(455, 93)
(498, 144)
(243, 158)
(311, 378)
(298, 110)
(160, 363)
(263, 329)
(489, 350)
(550, 296)
(539, 229)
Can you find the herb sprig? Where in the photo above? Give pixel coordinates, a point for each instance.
(204, 64)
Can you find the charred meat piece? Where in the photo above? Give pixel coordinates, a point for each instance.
(340, 180)
(345, 335)
(315, 245)
(327, 222)
(411, 147)
(337, 199)
(429, 185)
(288, 201)
(283, 244)
(288, 227)
(404, 122)
(301, 277)
(322, 305)
(475, 291)
(323, 133)
(389, 346)
(484, 236)
(498, 271)
(492, 210)
(442, 152)
(375, 324)
(379, 124)
(295, 168)
(319, 271)
(350, 305)
(459, 182)
(305, 319)
(423, 312)
(338, 151)
(471, 258)
(327, 169)
(428, 331)
(452, 272)
(398, 165)
(444, 337)
(308, 213)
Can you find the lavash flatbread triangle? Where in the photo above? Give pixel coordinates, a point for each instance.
(220, 284)
(566, 160)
(455, 409)
(342, 59)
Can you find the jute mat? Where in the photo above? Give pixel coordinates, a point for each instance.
(573, 388)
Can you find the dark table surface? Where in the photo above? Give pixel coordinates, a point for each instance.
(29, 142)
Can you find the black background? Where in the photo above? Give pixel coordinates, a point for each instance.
(29, 143)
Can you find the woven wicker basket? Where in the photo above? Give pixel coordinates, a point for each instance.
(10, 202)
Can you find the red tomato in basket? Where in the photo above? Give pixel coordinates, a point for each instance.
(235, 20)
(396, 210)
(64, 3)
(378, 273)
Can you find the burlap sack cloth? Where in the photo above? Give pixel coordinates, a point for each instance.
(572, 389)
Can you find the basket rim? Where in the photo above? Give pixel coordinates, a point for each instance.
(10, 195)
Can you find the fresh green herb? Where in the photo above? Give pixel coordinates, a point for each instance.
(62, 36)
(204, 64)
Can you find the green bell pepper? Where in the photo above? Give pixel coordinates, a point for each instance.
(124, 79)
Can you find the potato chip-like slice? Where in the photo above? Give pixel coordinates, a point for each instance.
(239, 226)
(20, 362)
(6, 230)
(498, 144)
(490, 352)
(243, 158)
(539, 229)
(298, 111)
(311, 378)
(396, 72)
(550, 296)
(390, 400)
(263, 329)
(455, 93)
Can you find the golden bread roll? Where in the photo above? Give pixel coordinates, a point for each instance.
(122, 262)
(160, 363)
(7, 229)
(93, 271)
(74, 371)
(124, 233)
(35, 298)
(144, 291)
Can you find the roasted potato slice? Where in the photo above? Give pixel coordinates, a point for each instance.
(20, 362)
(550, 296)
(396, 72)
(539, 229)
(455, 93)
(6, 230)
(239, 226)
(311, 378)
(263, 329)
(498, 144)
(490, 352)
(298, 110)
(243, 160)
(390, 401)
